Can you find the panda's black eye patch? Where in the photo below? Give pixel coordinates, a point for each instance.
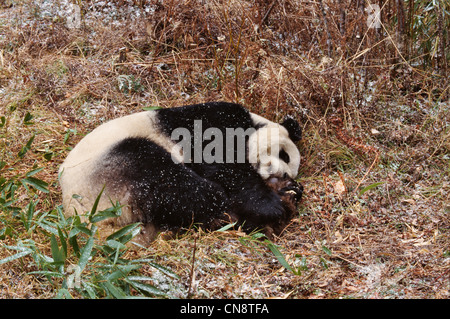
(284, 156)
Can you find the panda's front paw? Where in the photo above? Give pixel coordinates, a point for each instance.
(294, 192)
(257, 211)
(269, 208)
(286, 187)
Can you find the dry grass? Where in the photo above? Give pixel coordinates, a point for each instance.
(391, 241)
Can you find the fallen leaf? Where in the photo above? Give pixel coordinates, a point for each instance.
(339, 187)
(421, 242)
(408, 200)
(375, 132)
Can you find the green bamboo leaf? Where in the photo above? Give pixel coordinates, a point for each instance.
(226, 227)
(126, 269)
(164, 270)
(86, 253)
(62, 220)
(18, 248)
(15, 256)
(323, 262)
(47, 273)
(94, 207)
(28, 120)
(327, 250)
(139, 278)
(63, 293)
(258, 235)
(27, 147)
(145, 287)
(2, 121)
(118, 235)
(115, 244)
(151, 108)
(62, 239)
(27, 217)
(116, 255)
(33, 172)
(111, 212)
(4, 232)
(90, 289)
(45, 225)
(36, 183)
(79, 228)
(113, 290)
(279, 256)
(118, 274)
(365, 189)
(57, 253)
(74, 244)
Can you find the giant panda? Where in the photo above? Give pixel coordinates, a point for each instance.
(177, 167)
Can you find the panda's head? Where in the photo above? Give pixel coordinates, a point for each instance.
(272, 150)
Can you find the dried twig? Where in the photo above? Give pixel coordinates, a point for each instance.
(325, 22)
(263, 21)
(192, 273)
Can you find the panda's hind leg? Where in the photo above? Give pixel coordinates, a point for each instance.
(162, 193)
(252, 202)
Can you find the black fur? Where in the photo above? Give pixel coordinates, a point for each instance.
(161, 190)
(214, 114)
(171, 195)
(294, 129)
(284, 156)
(250, 200)
(219, 115)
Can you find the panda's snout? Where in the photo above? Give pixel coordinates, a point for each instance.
(273, 180)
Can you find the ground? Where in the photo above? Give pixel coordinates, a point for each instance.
(374, 219)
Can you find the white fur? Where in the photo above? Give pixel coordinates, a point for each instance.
(265, 145)
(80, 163)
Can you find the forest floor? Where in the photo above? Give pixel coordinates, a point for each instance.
(374, 221)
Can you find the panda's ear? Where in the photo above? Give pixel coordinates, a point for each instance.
(293, 128)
